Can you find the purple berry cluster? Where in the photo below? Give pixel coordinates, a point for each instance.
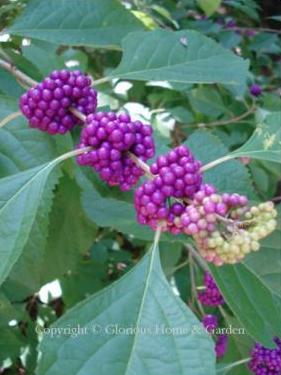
(266, 361)
(177, 176)
(47, 105)
(113, 137)
(211, 296)
(210, 322)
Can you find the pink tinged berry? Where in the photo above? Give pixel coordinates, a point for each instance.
(191, 229)
(209, 207)
(221, 209)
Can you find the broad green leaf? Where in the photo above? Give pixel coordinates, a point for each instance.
(25, 277)
(207, 147)
(20, 146)
(75, 235)
(9, 85)
(239, 348)
(20, 196)
(179, 57)
(266, 263)
(251, 300)
(73, 22)
(111, 212)
(209, 6)
(207, 100)
(142, 350)
(108, 211)
(10, 343)
(265, 142)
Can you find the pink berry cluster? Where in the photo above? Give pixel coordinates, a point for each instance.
(266, 361)
(113, 138)
(211, 295)
(47, 105)
(210, 322)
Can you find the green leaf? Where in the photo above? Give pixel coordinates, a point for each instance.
(179, 57)
(74, 22)
(207, 101)
(209, 6)
(207, 147)
(25, 277)
(75, 235)
(152, 304)
(9, 85)
(20, 146)
(20, 197)
(109, 211)
(10, 343)
(251, 300)
(265, 142)
(266, 263)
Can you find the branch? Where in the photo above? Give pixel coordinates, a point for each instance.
(233, 119)
(258, 29)
(9, 118)
(212, 164)
(17, 73)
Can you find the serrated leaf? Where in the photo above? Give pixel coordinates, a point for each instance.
(266, 263)
(265, 142)
(26, 275)
(75, 235)
(207, 147)
(209, 6)
(74, 22)
(208, 101)
(115, 213)
(179, 57)
(251, 300)
(152, 304)
(20, 146)
(20, 196)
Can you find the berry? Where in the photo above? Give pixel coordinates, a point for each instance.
(46, 106)
(255, 90)
(112, 137)
(221, 345)
(210, 322)
(266, 361)
(211, 296)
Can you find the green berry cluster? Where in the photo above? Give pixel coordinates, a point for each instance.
(234, 239)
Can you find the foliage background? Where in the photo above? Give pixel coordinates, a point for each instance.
(83, 234)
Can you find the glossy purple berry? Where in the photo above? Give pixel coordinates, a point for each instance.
(47, 105)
